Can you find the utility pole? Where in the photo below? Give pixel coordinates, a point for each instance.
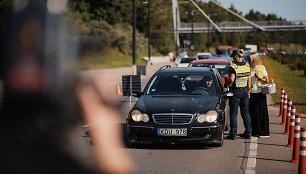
(176, 46)
(149, 31)
(303, 40)
(134, 38)
(296, 40)
(267, 38)
(192, 14)
(280, 41)
(208, 37)
(240, 46)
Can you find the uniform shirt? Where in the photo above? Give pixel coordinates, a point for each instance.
(255, 80)
(233, 71)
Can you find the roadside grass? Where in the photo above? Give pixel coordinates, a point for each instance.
(109, 58)
(294, 83)
(289, 47)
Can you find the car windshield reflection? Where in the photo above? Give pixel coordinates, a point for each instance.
(182, 84)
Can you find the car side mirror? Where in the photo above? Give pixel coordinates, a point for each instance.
(137, 94)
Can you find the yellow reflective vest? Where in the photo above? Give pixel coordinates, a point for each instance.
(242, 74)
(259, 83)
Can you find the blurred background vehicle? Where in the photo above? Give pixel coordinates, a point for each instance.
(184, 62)
(204, 55)
(223, 50)
(263, 50)
(270, 50)
(182, 54)
(221, 65)
(250, 48)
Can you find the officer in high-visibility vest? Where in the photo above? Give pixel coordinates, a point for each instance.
(239, 78)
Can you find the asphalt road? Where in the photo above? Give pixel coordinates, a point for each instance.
(258, 155)
(271, 155)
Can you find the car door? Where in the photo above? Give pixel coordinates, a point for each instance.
(224, 102)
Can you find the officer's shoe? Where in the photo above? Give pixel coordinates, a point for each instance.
(230, 137)
(245, 136)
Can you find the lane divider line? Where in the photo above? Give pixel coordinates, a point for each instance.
(251, 158)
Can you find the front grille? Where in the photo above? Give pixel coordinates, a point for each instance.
(172, 118)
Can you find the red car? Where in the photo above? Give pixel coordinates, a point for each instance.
(220, 64)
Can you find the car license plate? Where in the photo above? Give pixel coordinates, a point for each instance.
(172, 132)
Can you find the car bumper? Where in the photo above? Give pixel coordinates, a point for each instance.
(148, 134)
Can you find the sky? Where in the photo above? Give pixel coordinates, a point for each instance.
(289, 9)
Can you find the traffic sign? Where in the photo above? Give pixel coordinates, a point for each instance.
(191, 47)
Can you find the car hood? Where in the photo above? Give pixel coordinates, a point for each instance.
(151, 104)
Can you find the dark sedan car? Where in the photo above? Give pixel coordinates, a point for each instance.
(180, 105)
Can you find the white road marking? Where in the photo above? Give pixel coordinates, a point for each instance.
(251, 162)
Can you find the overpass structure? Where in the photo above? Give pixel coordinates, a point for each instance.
(242, 26)
(238, 26)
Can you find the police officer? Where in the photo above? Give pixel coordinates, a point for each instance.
(239, 74)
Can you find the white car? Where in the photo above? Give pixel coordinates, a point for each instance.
(204, 55)
(184, 62)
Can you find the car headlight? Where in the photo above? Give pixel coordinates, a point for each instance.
(138, 116)
(210, 117)
(201, 118)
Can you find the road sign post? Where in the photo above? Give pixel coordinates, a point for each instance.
(130, 84)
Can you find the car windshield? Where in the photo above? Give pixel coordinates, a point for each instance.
(187, 60)
(186, 84)
(222, 67)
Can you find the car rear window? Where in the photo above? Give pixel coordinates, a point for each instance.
(203, 57)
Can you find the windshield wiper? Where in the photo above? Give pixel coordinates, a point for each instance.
(176, 93)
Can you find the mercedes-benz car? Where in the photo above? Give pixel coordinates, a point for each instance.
(180, 105)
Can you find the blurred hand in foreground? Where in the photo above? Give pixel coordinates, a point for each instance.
(105, 127)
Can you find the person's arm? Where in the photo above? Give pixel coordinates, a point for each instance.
(230, 80)
(265, 78)
(231, 77)
(249, 85)
(249, 82)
